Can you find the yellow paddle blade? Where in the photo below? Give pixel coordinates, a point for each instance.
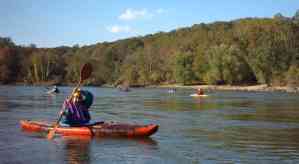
(51, 133)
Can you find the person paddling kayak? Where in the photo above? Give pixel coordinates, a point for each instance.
(76, 108)
(199, 91)
(54, 90)
(73, 107)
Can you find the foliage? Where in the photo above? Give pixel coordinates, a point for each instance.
(183, 68)
(293, 76)
(244, 51)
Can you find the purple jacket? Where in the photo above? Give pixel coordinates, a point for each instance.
(75, 113)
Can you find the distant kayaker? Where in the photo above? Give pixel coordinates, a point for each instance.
(200, 91)
(76, 108)
(53, 90)
(123, 88)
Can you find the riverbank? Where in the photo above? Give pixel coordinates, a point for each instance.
(255, 88)
(250, 88)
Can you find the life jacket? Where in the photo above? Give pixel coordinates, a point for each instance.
(76, 113)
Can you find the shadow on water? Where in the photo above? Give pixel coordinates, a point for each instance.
(138, 141)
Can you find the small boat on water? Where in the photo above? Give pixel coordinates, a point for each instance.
(197, 95)
(54, 90)
(99, 129)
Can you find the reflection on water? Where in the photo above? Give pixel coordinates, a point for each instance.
(83, 150)
(275, 141)
(4, 105)
(77, 150)
(225, 127)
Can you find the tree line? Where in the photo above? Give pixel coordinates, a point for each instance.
(239, 52)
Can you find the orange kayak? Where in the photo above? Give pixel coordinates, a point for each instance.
(101, 129)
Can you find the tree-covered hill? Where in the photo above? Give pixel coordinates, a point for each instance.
(244, 51)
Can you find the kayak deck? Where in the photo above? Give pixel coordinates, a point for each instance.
(100, 129)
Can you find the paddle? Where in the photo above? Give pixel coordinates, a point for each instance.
(84, 74)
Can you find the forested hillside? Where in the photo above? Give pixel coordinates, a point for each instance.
(239, 52)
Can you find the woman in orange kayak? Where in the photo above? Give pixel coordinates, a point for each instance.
(76, 111)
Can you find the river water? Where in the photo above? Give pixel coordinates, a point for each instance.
(225, 127)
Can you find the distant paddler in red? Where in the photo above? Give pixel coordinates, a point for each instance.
(199, 91)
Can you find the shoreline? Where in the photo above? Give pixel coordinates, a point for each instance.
(249, 88)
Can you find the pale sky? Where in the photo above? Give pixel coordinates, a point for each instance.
(52, 23)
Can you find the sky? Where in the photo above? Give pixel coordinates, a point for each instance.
(53, 23)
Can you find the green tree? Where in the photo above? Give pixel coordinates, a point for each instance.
(226, 65)
(293, 76)
(183, 68)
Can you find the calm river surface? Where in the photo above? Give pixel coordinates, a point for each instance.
(225, 127)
